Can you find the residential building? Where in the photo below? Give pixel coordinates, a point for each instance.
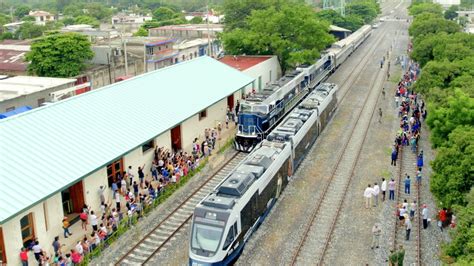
(129, 22)
(81, 144)
(447, 3)
(189, 49)
(31, 91)
(41, 17)
(160, 53)
(188, 31)
(263, 69)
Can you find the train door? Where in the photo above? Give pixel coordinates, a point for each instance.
(176, 138)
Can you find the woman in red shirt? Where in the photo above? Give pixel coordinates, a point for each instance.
(442, 217)
(24, 257)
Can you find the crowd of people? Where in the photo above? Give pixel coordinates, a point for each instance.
(132, 190)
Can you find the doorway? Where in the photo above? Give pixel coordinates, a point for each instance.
(176, 138)
(230, 102)
(114, 170)
(73, 198)
(3, 255)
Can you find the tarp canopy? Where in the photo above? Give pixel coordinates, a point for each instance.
(15, 112)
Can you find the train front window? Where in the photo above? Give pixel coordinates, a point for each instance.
(263, 109)
(245, 108)
(206, 237)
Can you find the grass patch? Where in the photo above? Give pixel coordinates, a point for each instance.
(395, 77)
(386, 174)
(229, 143)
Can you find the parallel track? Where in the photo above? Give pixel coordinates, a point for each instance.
(413, 252)
(340, 177)
(160, 237)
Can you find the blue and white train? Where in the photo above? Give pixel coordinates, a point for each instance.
(260, 112)
(224, 220)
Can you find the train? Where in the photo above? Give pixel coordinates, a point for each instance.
(225, 219)
(262, 111)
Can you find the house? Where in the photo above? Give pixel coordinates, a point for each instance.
(189, 49)
(81, 143)
(129, 22)
(41, 17)
(188, 31)
(31, 91)
(263, 69)
(12, 57)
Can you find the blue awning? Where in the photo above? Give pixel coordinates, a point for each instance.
(18, 110)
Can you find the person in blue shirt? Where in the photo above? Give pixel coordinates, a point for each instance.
(407, 184)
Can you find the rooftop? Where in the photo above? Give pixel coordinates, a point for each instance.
(243, 62)
(13, 87)
(201, 27)
(187, 44)
(95, 121)
(39, 13)
(12, 57)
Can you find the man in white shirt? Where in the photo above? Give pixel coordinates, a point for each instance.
(384, 188)
(93, 220)
(368, 196)
(375, 193)
(425, 215)
(79, 248)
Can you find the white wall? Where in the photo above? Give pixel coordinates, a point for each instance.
(263, 70)
(91, 185)
(12, 229)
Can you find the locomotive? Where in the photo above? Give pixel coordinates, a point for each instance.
(260, 112)
(224, 220)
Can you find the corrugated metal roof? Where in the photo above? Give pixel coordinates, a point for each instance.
(49, 148)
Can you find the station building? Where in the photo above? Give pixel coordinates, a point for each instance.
(264, 69)
(54, 158)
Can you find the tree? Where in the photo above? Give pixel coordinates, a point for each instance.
(417, 9)
(29, 30)
(292, 33)
(68, 21)
(59, 55)
(450, 13)
(462, 245)
(141, 32)
(366, 10)
(196, 20)
(87, 20)
(351, 22)
(237, 11)
(427, 23)
(443, 120)
(28, 18)
(164, 13)
(22, 11)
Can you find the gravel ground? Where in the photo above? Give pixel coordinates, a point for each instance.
(132, 236)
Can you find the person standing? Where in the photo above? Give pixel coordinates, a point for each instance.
(101, 194)
(391, 189)
(375, 193)
(117, 200)
(418, 178)
(141, 175)
(425, 215)
(83, 217)
(384, 188)
(56, 245)
(407, 183)
(394, 157)
(66, 227)
(419, 161)
(408, 227)
(412, 209)
(380, 115)
(375, 236)
(93, 220)
(130, 175)
(442, 217)
(24, 257)
(368, 196)
(37, 250)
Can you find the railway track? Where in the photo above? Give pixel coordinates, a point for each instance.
(324, 216)
(407, 165)
(165, 232)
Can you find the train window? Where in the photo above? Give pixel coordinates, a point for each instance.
(206, 237)
(229, 239)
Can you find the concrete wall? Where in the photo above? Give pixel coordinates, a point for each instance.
(269, 71)
(101, 76)
(45, 229)
(31, 99)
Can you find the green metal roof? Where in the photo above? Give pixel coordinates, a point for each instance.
(47, 149)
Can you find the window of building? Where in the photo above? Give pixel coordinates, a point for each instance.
(40, 102)
(202, 114)
(149, 145)
(10, 108)
(166, 46)
(3, 255)
(149, 50)
(176, 60)
(159, 48)
(27, 228)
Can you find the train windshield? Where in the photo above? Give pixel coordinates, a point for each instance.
(247, 108)
(206, 237)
